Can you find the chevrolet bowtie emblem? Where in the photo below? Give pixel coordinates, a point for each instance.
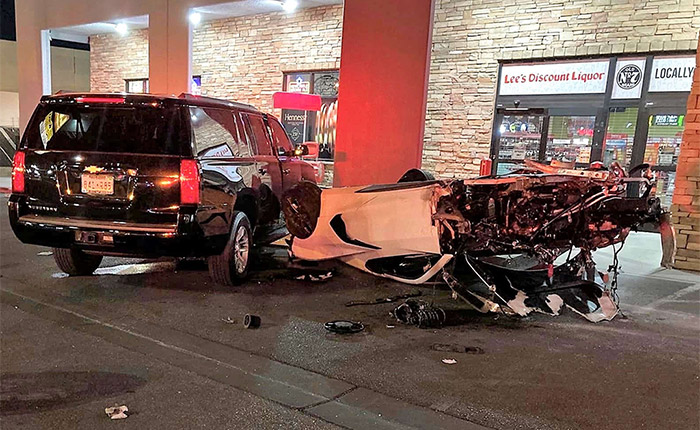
(93, 169)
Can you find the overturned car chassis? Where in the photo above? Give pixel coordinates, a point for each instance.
(528, 236)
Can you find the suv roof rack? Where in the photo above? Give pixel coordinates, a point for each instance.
(213, 101)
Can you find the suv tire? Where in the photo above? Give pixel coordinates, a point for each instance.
(76, 262)
(231, 266)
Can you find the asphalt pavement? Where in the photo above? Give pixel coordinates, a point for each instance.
(168, 343)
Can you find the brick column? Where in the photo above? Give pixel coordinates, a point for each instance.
(686, 197)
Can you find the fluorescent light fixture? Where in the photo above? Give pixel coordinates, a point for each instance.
(289, 5)
(195, 18)
(121, 28)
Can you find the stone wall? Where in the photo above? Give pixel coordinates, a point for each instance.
(114, 58)
(685, 210)
(243, 58)
(470, 36)
(240, 58)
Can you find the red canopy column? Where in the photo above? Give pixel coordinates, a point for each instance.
(384, 66)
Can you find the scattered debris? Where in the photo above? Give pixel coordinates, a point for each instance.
(45, 253)
(390, 299)
(443, 347)
(312, 276)
(449, 361)
(117, 412)
(528, 235)
(251, 321)
(425, 315)
(228, 320)
(344, 327)
(390, 326)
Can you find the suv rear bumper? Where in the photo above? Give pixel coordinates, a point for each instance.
(184, 239)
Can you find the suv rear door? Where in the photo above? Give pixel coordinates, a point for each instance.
(110, 159)
(269, 164)
(228, 166)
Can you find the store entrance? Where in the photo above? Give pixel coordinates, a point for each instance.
(662, 147)
(544, 135)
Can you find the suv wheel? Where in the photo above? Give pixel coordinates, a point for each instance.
(76, 262)
(231, 266)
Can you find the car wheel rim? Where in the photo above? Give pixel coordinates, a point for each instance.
(241, 247)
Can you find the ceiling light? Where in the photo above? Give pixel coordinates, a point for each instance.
(289, 5)
(121, 28)
(195, 18)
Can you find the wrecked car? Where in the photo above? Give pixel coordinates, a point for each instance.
(528, 236)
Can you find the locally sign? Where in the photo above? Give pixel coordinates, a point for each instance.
(585, 77)
(672, 74)
(628, 79)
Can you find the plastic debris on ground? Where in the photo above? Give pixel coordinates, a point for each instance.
(314, 276)
(117, 412)
(449, 361)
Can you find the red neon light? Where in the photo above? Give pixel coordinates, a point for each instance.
(100, 99)
(189, 182)
(296, 101)
(18, 172)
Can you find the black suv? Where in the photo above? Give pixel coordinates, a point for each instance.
(146, 175)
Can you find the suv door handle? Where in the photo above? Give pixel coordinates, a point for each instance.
(286, 171)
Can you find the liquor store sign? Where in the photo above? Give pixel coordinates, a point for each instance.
(575, 77)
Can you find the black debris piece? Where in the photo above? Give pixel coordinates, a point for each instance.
(344, 327)
(251, 321)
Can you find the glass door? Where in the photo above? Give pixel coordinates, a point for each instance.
(662, 147)
(619, 137)
(570, 138)
(517, 137)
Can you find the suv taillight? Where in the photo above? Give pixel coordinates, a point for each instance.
(189, 182)
(18, 172)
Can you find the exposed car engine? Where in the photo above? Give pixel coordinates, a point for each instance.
(528, 236)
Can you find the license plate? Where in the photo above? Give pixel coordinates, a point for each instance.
(97, 184)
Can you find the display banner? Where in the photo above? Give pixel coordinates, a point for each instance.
(629, 75)
(294, 122)
(672, 74)
(584, 77)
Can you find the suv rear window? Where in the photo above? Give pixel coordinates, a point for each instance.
(126, 128)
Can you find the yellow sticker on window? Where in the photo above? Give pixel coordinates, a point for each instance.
(46, 129)
(59, 120)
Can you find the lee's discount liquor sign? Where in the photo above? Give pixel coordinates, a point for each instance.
(584, 77)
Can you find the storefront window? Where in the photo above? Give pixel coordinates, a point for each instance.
(569, 138)
(619, 138)
(307, 126)
(664, 139)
